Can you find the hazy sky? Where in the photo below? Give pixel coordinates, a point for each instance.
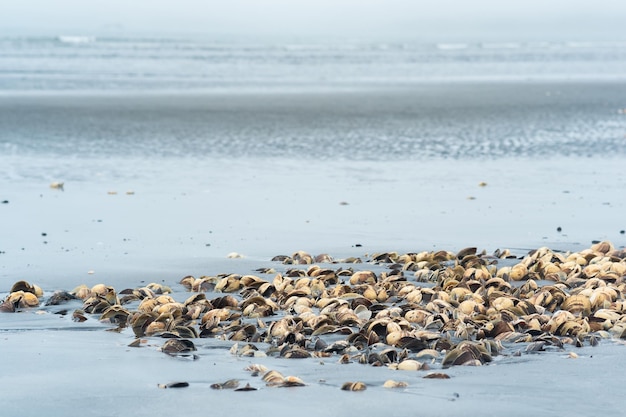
(572, 19)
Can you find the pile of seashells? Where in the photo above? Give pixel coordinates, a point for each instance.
(420, 311)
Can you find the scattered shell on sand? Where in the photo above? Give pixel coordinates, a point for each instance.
(390, 383)
(174, 385)
(230, 384)
(354, 386)
(416, 311)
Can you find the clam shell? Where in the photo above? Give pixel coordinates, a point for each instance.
(390, 383)
(354, 386)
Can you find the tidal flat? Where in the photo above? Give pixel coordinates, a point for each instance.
(154, 191)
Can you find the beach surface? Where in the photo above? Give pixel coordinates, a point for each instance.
(158, 186)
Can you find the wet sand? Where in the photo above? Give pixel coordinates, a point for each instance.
(189, 210)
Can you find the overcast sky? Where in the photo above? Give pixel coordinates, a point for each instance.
(574, 19)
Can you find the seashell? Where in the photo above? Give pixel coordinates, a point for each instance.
(393, 338)
(418, 316)
(354, 386)
(159, 288)
(95, 304)
(82, 292)
(537, 346)
(513, 337)
(436, 375)
(256, 369)
(466, 353)
(230, 384)
(20, 299)
(245, 333)
(248, 387)
(174, 385)
(501, 303)
(26, 287)
(79, 316)
(177, 346)
(302, 258)
(230, 283)
(292, 381)
(518, 272)
(577, 304)
(409, 365)
(602, 247)
(323, 258)
(273, 378)
(296, 353)
(105, 292)
(390, 383)
(427, 354)
(115, 314)
(363, 277)
(219, 314)
(362, 312)
(466, 251)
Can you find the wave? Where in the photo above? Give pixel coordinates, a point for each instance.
(452, 46)
(501, 45)
(76, 39)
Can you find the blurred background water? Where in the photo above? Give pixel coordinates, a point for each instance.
(140, 63)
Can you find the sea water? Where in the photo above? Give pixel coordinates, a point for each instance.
(70, 62)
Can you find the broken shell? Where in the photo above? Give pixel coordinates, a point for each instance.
(354, 386)
(436, 375)
(177, 346)
(390, 383)
(230, 384)
(248, 387)
(174, 385)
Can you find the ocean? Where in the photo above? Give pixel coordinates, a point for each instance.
(62, 63)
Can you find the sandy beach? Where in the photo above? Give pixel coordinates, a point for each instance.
(160, 186)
